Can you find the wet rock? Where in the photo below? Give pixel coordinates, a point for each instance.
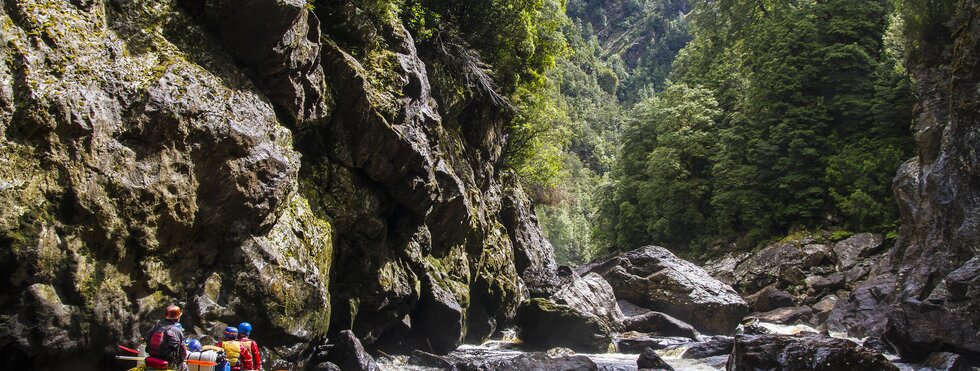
(326, 366)
(659, 324)
(918, 328)
(768, 299)
(862, 312)
(349, 354)
(948, 362)
(424, 359)
(543, 324)
(788, 315)
(656, 279)
(542, 362)
(649, 360)
(771, 352)
(878, 344)
(862, 245)
(947, 319)
(634, 342)
(593, 295)
(716, 346)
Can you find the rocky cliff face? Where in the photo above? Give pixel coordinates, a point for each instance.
(926, 294)
(304, 168)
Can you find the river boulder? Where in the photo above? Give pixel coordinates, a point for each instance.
(659, 324)
(655, 278)
(781, 352)
(770, 298)
(593, 295)
(543, 324)
(650, 360)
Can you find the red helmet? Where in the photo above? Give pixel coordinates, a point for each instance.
(172, 312)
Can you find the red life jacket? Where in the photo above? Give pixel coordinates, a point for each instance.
(156, 343)
(247, 357)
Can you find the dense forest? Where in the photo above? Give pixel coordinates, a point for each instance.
(774, 117)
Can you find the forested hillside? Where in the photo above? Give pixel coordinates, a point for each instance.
(776, 117)
(619, 52)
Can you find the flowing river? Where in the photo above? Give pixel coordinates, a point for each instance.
(506, 349)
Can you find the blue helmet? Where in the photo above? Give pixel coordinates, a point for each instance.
(231, 333)
(244, 328)
(192, 344)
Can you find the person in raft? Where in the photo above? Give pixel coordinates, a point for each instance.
(233, 348)
(251, 357)
(165, 343)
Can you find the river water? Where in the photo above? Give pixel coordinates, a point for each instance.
(504, 349)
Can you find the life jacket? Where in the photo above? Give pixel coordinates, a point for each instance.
(233, 351)
(157, 345)
(247, 357)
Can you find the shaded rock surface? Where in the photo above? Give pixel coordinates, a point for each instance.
(716, 346)
(777, 352)
(769, 298)
(635, 342)
(654, 278)
(542, 324)
(649, 360)
(349, 354)
(659, 324)
(198, 153)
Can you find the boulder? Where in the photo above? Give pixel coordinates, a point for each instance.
(947, 361)
(543, 324)
(781, 352)
(822, 309)
(650, 360)
(764, 268)
(862, 313)
(862, 245)
(826, 283)
(791, 276)
(768, 299)
(723, 268)
(634, 342)
(716, 346)
(349, 354)
(816, 255)
(655, 278)
(592, 295)
(659, 324)
(787, 315)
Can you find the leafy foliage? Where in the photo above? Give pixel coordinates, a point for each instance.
(810, 117)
